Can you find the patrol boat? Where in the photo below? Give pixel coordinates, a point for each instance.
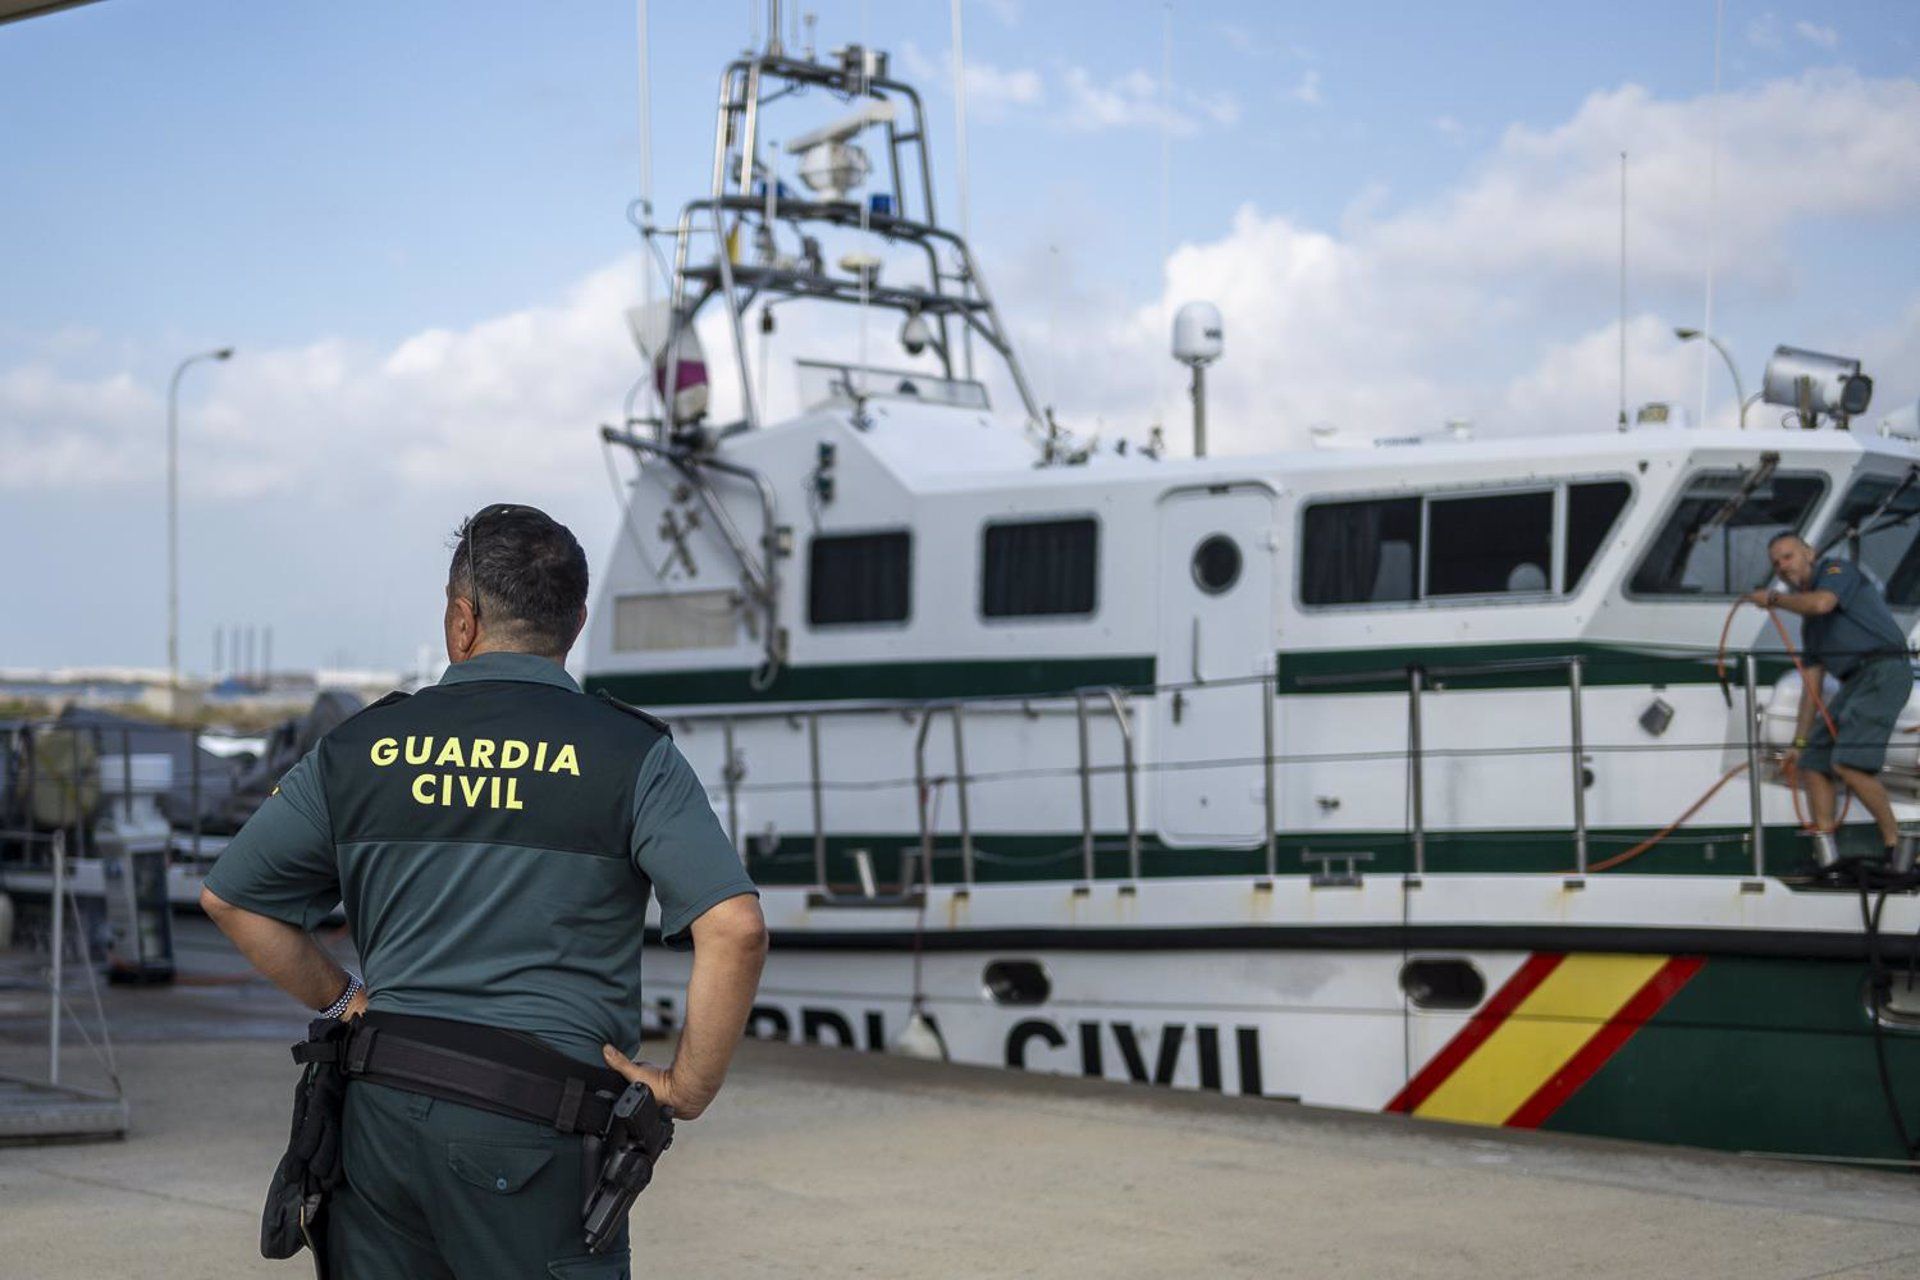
(1401, 777)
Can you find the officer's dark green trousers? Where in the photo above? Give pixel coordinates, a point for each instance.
(439, 1191)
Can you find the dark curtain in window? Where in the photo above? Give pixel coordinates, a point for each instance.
(1037, 569)
(1341, 550)
(1592, 510)
(862, 577)
(1489, 544)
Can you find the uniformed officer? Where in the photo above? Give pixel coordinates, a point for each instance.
(494, 839)
(1847, 629)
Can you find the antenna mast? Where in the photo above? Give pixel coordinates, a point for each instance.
(1623, 291)
(1713, 207)
(960, 157)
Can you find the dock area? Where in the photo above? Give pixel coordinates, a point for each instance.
(828, 1162)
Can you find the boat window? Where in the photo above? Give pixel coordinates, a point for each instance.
(1887, 509)
(1442, 983)
(1361, 552)
(859, 577)
(1017, 982)
(1592, 511)
(1490, 544)
(675, 620)
(1715, 542)
(1216, 564)
(1039, 568)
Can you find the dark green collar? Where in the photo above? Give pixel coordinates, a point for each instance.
(500, 665)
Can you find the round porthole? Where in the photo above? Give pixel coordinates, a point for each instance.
(1216, 564)
(1017, 982)
(1442, 983)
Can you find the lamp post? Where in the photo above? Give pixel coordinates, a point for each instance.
(173, 518)
(1688, 335)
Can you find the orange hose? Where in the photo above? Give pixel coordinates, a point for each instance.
(1608, 864)
(1791, 774)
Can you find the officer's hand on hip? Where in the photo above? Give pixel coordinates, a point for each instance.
(658, 1079)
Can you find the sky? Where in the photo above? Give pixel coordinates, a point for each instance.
(410, 222)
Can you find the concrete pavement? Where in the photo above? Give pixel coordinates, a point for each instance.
(827, 1162)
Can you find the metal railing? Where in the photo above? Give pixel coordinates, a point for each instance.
(1090, 704)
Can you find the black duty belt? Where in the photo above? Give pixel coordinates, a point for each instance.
(509, 1073)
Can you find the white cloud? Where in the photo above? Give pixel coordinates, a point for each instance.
(1548, 198)
(993, 92)
(509, 401)
(1764, 32)
(1008, 11)
(1135, 99)
(1455, 307)
(1243, 40)
(1450, 129)
(1307, 90)
(1824, 37)
(1493, 301)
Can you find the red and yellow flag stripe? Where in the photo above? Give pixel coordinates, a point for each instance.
(1542, 1036)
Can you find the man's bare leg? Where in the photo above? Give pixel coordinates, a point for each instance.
(1820, 798)
(1873, 795)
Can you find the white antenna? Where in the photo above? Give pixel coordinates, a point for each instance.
(1713, 207)
(646, 159)
(960, 164)
(866, 205)
(1166, 184)
(1623, 291)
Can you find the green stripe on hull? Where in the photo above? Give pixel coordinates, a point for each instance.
(861, 681)
(1033, 856)
(1757, 1055)
(1319, 671)
(1322, 671)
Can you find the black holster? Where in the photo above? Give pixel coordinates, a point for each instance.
(295, 1213)
(509, 1073)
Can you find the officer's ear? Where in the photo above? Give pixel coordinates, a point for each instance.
(462, 629)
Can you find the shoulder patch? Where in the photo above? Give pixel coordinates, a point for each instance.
(1835, 568)
(654, 722)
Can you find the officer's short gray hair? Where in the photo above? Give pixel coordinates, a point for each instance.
(524, 573)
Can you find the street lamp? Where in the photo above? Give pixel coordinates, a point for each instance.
(1688, 335)
(173, 519)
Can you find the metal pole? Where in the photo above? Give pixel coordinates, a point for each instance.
(193, 768)
(813, 777)
(960, 793)
(173, 521)
(920, 792)
(1755, 809)
(1269, 690)
(57, 978)
(1199, 411)
(1086, 789)
(1575, 671)
(732, 778)
(1416, 680)
(1118, 703)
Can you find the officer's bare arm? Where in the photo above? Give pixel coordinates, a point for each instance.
(1808, 604)
(729, 948)
(289, 956)
(1814, 674)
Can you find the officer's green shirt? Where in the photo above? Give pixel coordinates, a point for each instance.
(494, 839)
(1860, 627)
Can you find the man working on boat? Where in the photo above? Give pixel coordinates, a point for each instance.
(495, 838)
(1846, 628)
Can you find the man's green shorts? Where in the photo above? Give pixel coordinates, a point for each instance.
(1866, 711)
